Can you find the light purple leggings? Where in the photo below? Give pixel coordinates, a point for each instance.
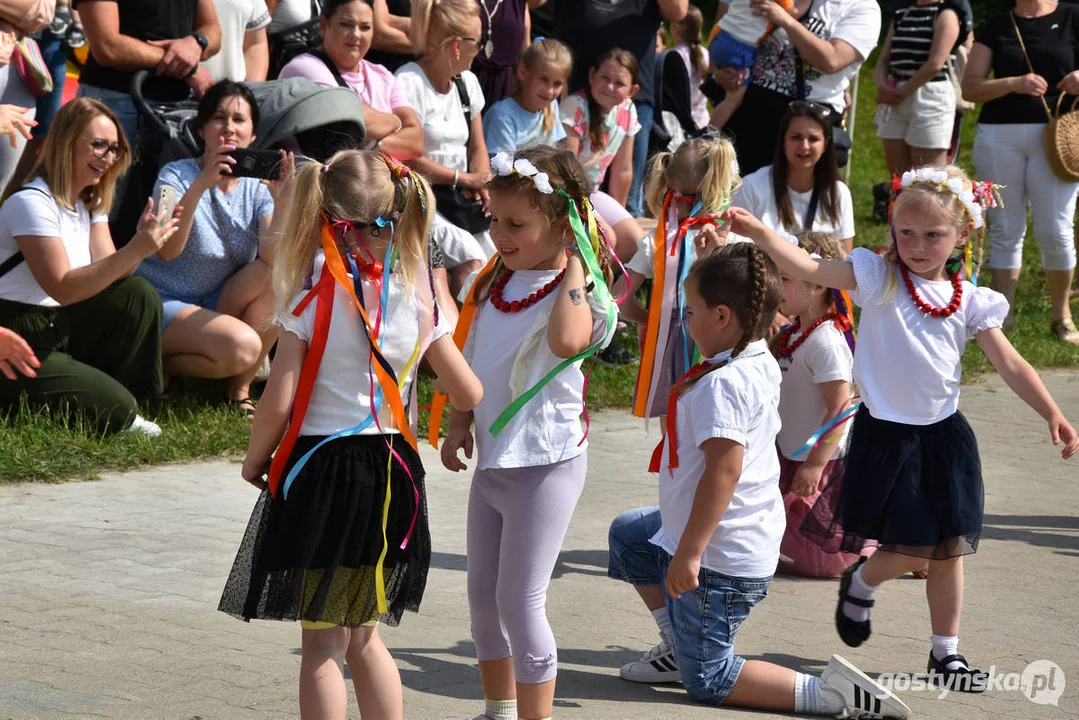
(517, 520)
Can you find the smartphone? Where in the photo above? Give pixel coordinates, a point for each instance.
(262, 164)
(167, 198)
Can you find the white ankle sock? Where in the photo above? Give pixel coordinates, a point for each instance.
(663, 622)
(945, 645)
(500, 709)
(810, 698)
(861, 590)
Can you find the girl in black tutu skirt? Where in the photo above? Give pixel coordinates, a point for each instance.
(913, 483)
(338, 539)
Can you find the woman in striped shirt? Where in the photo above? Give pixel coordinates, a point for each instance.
(915, 98)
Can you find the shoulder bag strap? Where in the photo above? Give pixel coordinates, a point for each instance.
(332, 67)
(13, 261)
(811, 210)
(1030, 65)
(462, 92)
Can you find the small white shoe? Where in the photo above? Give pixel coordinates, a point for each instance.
(862, 696)
(658, 665)
(142, 426)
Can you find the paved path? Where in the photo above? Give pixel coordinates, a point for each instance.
(108, 593)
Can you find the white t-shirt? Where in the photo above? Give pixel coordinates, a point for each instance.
(855, 22)
(237, 18)
(290, 13)
(509, 353)
(741, 22)
(739, 402)
(341, 397)
(907, 363)
(823, 357)
(441, 114)
(35, 213)
(756, 195)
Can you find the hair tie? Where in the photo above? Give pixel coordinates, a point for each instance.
(538, 38)
(325, 169)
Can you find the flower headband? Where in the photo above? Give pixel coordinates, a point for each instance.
(504, 164)
(981, 195)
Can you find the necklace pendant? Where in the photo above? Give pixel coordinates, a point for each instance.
(489, 49)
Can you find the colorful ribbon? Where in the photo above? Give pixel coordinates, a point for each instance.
(826, 428)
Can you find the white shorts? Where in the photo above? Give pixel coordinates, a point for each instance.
(922, 120)
(458, 245)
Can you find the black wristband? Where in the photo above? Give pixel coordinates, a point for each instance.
(193, 71)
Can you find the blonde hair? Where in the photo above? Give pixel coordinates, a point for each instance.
(357, 186)
(947, 200)
(824, 244)
(55, 162)
(434, 22)
(546, 52)
(706, 162)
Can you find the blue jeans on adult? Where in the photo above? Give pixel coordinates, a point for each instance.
(52, 52)
(635, 205)
(704, 621)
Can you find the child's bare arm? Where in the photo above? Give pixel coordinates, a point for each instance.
(836, 397)
(621, 171)
(722, 468)
(458, 437)
(570, 328)
(798, 8)
(271, 416)
(454, 375)
(1024, 382)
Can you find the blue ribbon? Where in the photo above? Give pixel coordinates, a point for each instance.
(815, 438)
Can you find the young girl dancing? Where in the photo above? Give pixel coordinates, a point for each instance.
(913, 476)
(536, 312)
(686, 190)
(706, 555)
(338, 539)
(530, 116)
(815, 355)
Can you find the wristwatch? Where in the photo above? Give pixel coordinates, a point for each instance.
(201, 40)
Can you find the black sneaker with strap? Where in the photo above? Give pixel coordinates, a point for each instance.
(961, 679)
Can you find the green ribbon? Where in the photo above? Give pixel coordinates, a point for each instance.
(588, 245)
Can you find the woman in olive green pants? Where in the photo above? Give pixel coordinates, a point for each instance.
(95, 330)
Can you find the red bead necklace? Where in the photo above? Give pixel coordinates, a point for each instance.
(518, 305)
(785, 348)
(953, 306)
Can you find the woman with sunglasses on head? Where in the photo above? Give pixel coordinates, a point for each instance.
(801, 190)
(66, 288)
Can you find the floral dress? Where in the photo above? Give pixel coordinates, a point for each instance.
(620, 123)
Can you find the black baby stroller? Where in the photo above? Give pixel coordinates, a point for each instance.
(672, 104)
(295, 113)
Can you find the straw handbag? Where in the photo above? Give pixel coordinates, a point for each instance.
(1061, 136)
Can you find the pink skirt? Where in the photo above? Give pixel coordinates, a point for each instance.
(799, 554)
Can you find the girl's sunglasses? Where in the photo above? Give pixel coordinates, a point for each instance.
(801, 106)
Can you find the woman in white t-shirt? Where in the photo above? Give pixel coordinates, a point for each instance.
(446, 35)
(803, 178)
(832, 40)
(65, 288)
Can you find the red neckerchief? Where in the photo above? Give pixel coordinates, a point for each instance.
(672, 418)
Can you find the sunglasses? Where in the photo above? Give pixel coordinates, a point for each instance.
(101, 148)
(801, 106)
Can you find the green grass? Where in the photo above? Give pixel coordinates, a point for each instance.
(197, 425)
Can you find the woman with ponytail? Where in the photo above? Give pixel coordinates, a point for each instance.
(338, 538)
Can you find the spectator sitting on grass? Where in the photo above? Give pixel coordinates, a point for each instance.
(96, 330)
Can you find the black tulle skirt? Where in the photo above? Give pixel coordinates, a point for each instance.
(910, 489)
(313, 556)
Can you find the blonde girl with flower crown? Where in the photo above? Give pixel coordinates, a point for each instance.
(538, 309)
(913, 483)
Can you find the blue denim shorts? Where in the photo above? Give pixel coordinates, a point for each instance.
(727, 51)
(705, 621)
(170, 305)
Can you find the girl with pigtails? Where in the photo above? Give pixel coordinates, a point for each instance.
(338, 538)
(913, 481)
(703, 558)
(686, 190)
(538, 309)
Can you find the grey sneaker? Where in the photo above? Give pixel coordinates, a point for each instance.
(658, 665)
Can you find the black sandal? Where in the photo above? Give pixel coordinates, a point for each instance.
(852, 632)
(962, 679)
(246, 406)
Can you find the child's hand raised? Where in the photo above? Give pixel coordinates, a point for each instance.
(456, 439)
(682, 574)
(742, 222)
(1060, 429)
(711, 238)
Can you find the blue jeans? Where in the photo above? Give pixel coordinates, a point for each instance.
(52, 52)
(704, 621)
(635, 204)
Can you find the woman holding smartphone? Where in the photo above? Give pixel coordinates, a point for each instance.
(214, 273)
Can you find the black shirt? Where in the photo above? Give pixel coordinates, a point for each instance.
(390, 61)
(914, 27)
(592, 27)
(1052, 42)
(145, 20)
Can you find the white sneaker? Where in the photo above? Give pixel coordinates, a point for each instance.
(658, 665)
(862, 696)
(143, 426)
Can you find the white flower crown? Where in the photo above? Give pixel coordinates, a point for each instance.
(504, 164)
(938, 177)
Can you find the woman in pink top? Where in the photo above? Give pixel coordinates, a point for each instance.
(346, 27)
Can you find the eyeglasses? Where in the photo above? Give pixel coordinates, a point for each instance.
(101, 148)
(801, 106)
